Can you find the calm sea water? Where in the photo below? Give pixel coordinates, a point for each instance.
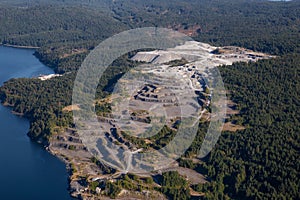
(27, 171)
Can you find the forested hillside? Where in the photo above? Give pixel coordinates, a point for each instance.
(260, 162)
(50, 24)
(260, 25)
(64, 31)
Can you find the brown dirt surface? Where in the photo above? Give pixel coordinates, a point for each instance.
(231, 108)
(196, 194)
(229, 126)
(71, 108)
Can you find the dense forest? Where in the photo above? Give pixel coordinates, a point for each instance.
(73, 29)
(260, 162)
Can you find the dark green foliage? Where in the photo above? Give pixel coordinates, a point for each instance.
(261, 161)
(174, 186)
(41, 102)
(133, 182)
(48, 24)
(106, 169)
(175, 63)
(158, 141)
(149, 180)
(259, 25)
(93, 186)
(186, 163)
(102, 108)
(112, 189)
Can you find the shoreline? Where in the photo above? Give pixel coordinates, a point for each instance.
(67, 164)
(19, 46)
(45, 146)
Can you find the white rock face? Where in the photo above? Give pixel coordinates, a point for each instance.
(146, 56)
(47, 77)
(196, 51)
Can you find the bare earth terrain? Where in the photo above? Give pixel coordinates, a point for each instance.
(173, 85)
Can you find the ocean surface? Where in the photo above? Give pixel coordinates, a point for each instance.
(27, 171)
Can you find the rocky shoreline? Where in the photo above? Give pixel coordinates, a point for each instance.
(19, 46)
(61, 158)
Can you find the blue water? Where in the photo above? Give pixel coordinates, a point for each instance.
(27, 171)
(280, 0)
